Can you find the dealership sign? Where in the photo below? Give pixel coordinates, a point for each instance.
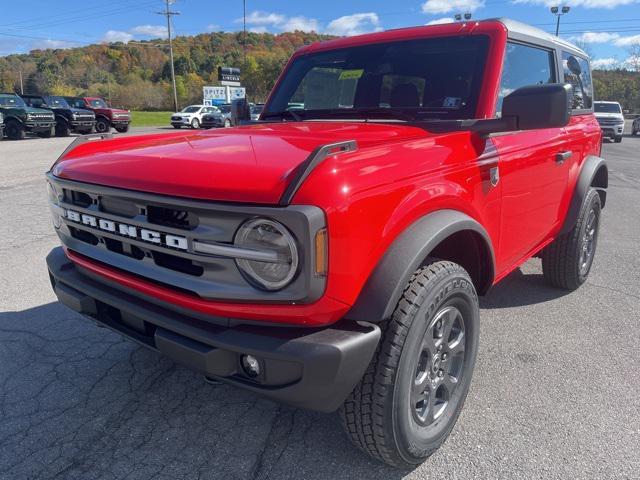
(218, 95)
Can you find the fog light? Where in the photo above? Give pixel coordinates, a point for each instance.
(250, 365)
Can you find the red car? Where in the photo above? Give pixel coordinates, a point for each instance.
(106, 117)
(331, 255)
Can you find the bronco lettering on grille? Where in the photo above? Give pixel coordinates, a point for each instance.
(131, 231)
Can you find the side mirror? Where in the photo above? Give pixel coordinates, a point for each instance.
(539, 106)
(240, 111)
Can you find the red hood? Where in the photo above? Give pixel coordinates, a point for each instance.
(251, 164)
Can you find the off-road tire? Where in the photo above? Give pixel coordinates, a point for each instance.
(123, 129)
(618, 139)
(14, 130)
(62, 129)
(102, 125)
(195, 124)
(375, 415)
(562, 264)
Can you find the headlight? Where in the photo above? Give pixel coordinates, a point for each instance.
(262, 234)
(54, 200)
(29, 116)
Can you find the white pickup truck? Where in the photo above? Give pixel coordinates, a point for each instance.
(610, 118)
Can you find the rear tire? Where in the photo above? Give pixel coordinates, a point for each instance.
(566, 263)
(410, 397)
(14, 130)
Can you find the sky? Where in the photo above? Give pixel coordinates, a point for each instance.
(608, 28)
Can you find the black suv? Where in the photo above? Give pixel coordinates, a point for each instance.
(68, 118)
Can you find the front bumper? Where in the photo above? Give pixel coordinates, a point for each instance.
(82, 124)
(308, 368)
(39, 126)
(612, 130)
(120, 122)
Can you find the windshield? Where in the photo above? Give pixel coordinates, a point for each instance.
(57, 102)
(98, 103)
(190, 109)
(257, 109)
(408, 80)
(11, 101)
(607, 108)
(75, 102)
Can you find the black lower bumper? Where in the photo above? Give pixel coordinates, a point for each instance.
(37, 127)
(309, 368)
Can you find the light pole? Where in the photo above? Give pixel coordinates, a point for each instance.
(558, 12)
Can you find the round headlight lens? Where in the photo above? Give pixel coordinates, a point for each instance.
(268, 235)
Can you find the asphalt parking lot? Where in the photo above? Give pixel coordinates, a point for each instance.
(556, 391)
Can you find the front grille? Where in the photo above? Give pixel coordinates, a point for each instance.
(155, 237)
(610, 122)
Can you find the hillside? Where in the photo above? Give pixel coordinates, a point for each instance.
(136, 75)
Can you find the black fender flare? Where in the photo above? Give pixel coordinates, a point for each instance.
(59, 117)
(13, 118)
(100, 115)
(407, 253)
(594, 173)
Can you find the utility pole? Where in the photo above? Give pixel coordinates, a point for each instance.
(168, 13)
(21, 85)
(558, 12)
(244, 30)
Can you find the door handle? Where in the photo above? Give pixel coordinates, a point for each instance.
(562, 156)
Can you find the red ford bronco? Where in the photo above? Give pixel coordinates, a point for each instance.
(106, 117)
(330, 255)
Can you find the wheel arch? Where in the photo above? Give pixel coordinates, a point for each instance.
(594, 173)
(444, 234)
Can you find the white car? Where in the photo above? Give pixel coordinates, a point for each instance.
(610, 118)
(191, 116)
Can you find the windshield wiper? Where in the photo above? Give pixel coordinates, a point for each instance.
(296, 116)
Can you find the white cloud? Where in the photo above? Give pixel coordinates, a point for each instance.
(632, 63)
(604, 63)
(258, 17)
(440, 21)
(213, 27)
(155, 31)
(608, 4)
(354, 24)
(260, 22)
(628, 41)
(446, 6)
(301, 23)
(53, 44)
(113, 36)
(595, 37)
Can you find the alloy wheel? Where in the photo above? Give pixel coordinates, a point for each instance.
(588, 242)
(440, 366)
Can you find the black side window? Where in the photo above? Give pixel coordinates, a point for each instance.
(578, 74)
(523, 66)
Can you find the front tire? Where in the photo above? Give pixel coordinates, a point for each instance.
(566, 263)
(618, 139)
(62, 129)
(195, 124)
(103, 125)
(409, 399)
(14, 130)
(122, 129)
(227, 123)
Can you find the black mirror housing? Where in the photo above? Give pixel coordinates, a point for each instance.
(240, 111)
(539, 106)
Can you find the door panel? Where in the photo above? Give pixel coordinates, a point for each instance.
(533, 186)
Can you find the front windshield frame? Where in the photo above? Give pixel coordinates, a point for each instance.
(284, 98)
(599, 107)
(61, 102)
(98, 103)
(18, 101)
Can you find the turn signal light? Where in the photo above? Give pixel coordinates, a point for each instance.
(322, 257)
